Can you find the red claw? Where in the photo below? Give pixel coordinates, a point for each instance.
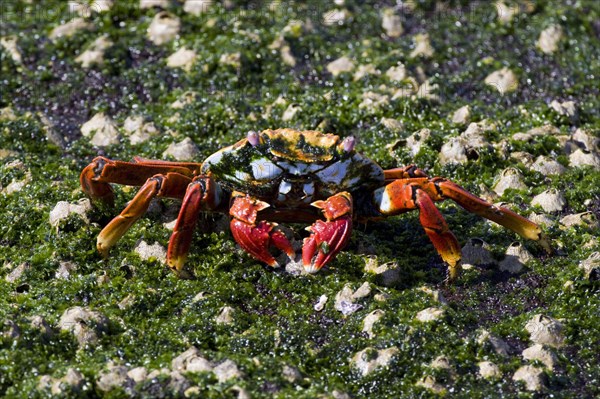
(330, 237)
(256, 240)
(326, 240)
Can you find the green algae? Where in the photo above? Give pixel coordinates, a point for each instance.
(275, 323)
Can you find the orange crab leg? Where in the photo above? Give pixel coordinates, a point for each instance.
(403, 173)
(101, 171)
(201, 194)
(169, 185)
(328, 237)
(407, 194)
(256, 238)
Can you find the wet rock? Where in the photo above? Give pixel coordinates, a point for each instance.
(515, 258)
(65, 269)
(430, 314)
(10, 329)
(191, 361)
(163, 28)
(344, 301)
(70, 28)
(94, 54)
(341, 65)
(197, 7)
(138, 374)
(549, 39)
(430, 383)
(337, 16)
(286, 55)
(504, 80)
(396, 73)
(240, 392)
(580, 219)
(544, 130)
(498, 344)
(364, 70)
(17, 185)
(541, 219)
(178, 384)
(231, 59)
(567, 108)
(546, 331)
(10, 45)
(52, 133)
(85, 8)
(523, 157)
(370, 320)
(138, 130)
(426, 91)
(550, 200)
(505, 12)
(441, 363)
(144, 4)
(422, 46)
(185, 150)
(182, 58)
(7, 114)
(369, 359)
(291, 374)
(226, 371)
(225, 316)
(63, 209)
(372, 101)
(509, 178)
(435, 294)
(581, 158)
(583, 140)
(540, 353)
(489, 370)
(476, 252)
(102, 130)
(391, 23)
(291, 112)
(363, 291)
(148, 252)
(453, 151)
(591, 266)
(15, 274)
(115, 377)
(186, 98)
(40, 324)
(417, 140)
(392, 124)
(462, 115)
(84, 323)
(533, 378)
(548, 166)
(320, 305)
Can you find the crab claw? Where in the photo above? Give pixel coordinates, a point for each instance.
(256, 240)
(328, 237)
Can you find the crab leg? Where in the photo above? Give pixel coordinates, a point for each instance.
(328, 237)
(101, 171)
(201, 194)
(169, 185)
(419, 193)
(403, 173)
(256, 238)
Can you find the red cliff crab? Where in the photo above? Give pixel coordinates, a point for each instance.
(286, 175)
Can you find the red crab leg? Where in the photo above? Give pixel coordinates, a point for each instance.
(101, 171)
(201, 194)
(328, 237)
(170, 185)
(256, 238)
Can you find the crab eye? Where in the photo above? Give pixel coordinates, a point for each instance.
(348, 143)
(253, 138)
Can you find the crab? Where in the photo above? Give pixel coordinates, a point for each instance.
(286, 175)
